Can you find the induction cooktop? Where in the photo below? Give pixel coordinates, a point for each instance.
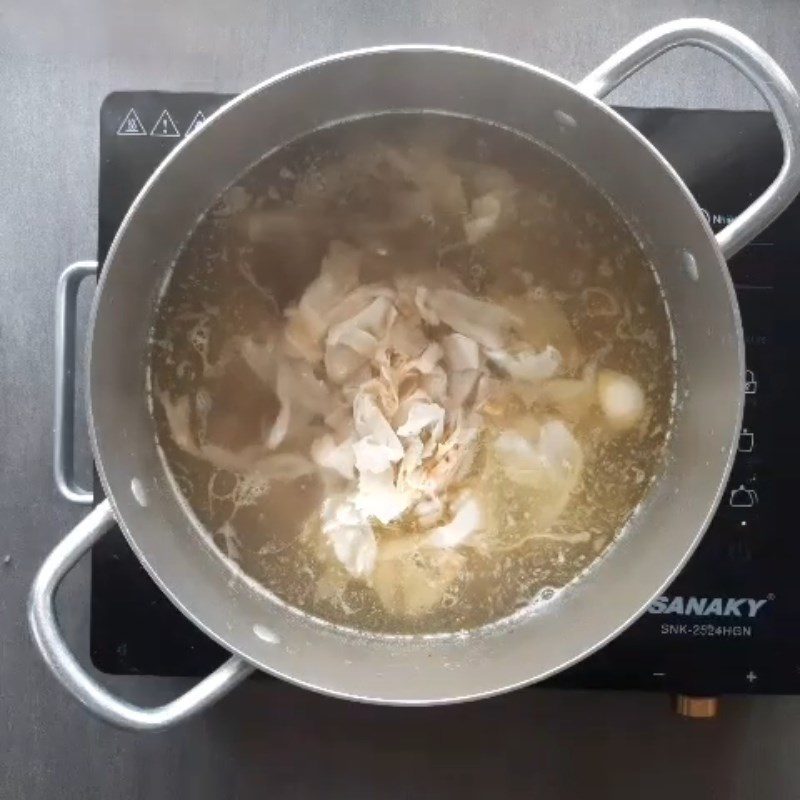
(730, 622)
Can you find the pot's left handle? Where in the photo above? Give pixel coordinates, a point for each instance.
(64, 665)
(64, 401)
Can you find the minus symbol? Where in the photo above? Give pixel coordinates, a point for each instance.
(659, 674)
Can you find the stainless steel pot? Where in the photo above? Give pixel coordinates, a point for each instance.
(690, 260)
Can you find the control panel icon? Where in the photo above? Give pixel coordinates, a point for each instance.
(742, 497)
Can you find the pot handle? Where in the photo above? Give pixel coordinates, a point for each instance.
(64, 401)
(759, 68)
(63, 664)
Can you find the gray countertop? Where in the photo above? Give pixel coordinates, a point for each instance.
(57, 61)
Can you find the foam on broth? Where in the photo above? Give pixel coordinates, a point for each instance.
(564, 255)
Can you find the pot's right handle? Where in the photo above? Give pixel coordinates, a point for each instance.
(759, 68)
(64, 665)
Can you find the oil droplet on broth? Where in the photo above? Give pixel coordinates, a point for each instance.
(564, 247)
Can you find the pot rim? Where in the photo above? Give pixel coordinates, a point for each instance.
(176, 153)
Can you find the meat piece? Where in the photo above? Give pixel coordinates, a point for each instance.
(407, 285)
(486, 323)
(409, 478)
(378, 446)
(407, 338)
(350, 535)
(280, 466)
(416, 583)
(356, 301)
(487, 178)
(527, 365)
(302, 334)
(427, 360)
(251, 461)
(280, 427)
(429, 511)
(368, 419)
(553, 457)
(462, 387)
(338, 276)
(461, 352)
(342, 362)
(338, 457)
(434, 384)
(261, 357)
(453, 458)
(379, 497)
(483, 218)
(362, 331)
(422, 416)
(545, 323)
(438, 187)
(179, 417)
(297, 390)
(467, 520)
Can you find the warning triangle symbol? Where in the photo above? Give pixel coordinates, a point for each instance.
(165, 126)
(199, 119)
(131, 125)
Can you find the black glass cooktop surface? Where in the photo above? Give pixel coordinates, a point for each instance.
(731, 621)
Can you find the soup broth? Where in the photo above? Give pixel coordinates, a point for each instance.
(412, 374)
